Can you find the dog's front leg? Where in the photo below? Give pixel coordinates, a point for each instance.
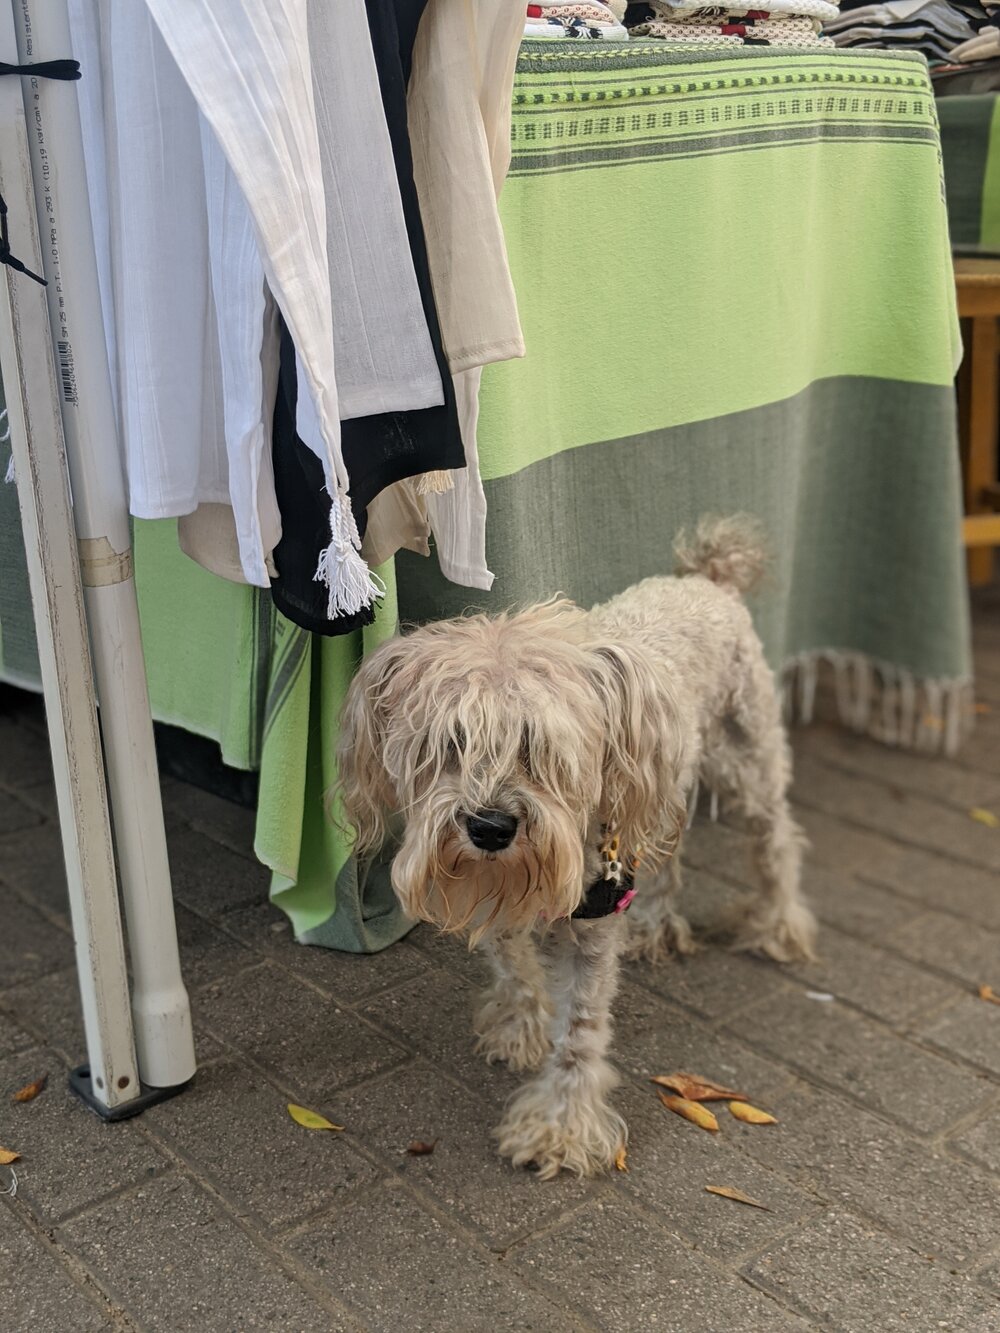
(561, 1119)
(512, 1019)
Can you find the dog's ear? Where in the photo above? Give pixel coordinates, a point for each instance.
(364, 786)
(641, 801)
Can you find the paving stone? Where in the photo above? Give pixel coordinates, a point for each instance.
(704, 898)
(464, 1174)
(932, 776)
(671, 1161)
(898, 814)
(857, 1162)
(981, 1141)
(856, 906)
(950, 945)
(207, 953)
(969, 1030)
(433, 1014)
(30, 946)
(25, 760)
(311, 1045)
(37, 1290)
(654, 1037)
(851, 1053)
(613, 1267)
(872, 980)
(938, 883)
(850, 1278)
(719, 848)
(711, 982)
(452, 953)
(68, 1156)
(989, 1277)
(16, 815)
(846, 849)
(348, 976)
(212, 879)
(175, 1260)
(235, 1130)
(221, 820)
(12, 1036)
(396, 1266)
(32, 863)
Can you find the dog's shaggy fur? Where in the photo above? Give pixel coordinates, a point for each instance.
(565, 724)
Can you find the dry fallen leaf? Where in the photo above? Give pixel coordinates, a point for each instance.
(698, 1115)
(695, 1088)
(986, 817)
(621, 1159)
(750, 1115)
(724, 1192)
(988, 993)
(30, 1090)
(981, 708)
(6, 1157)
(419, 1149)
(310, 1119)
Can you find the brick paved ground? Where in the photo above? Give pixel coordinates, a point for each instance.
(215, 1212)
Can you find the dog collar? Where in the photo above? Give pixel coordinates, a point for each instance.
(613, 890)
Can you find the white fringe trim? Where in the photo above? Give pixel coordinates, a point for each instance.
(433, 483)
(883, 701)
(9, 477)
(351, 585)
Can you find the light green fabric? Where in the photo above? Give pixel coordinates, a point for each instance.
(735, 283)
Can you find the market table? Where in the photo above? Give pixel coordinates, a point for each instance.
(736, 290)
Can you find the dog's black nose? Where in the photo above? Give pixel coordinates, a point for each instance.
(491, 830)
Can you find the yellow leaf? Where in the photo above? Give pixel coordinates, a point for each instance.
(724, 1192)
(986, 817)
(309, 1119)
(30, 1090)
(6, 1157)
(988, 993)
(621, 1159)
(698, 1115)
(750, 1115)
(695, 1088)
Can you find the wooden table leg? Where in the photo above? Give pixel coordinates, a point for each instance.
(981, 465)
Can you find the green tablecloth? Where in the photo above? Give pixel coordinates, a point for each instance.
(735, 285)
(970, 147)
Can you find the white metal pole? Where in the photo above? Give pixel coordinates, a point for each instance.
(36, 435)
(160, 1004)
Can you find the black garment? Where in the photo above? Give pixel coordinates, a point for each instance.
(378, 450)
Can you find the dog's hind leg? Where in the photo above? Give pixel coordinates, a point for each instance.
(561, 1119)
(748, 758)
(512, 1016)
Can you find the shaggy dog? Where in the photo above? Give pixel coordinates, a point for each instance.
(535, 758)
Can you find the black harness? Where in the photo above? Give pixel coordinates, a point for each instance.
(614, 888)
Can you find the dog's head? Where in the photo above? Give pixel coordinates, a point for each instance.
(506, 744)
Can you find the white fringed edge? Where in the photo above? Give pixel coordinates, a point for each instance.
(9, 478)
(433, 483)
(883, 701)
(350, 584)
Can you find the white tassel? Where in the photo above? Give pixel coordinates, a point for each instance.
(351, 584)
(693, 802)
(807, 687)
(713, 809)
(10, 478)
(433, 483)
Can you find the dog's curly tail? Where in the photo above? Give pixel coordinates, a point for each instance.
(731, 551)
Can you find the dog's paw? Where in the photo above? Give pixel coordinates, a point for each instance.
(786, 936)
(655, 943)
(515, 1037)
(581, 1136)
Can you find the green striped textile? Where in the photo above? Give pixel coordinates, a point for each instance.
(734, 278)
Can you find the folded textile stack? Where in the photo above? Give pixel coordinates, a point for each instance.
(794, 23)
(589, 19)
(935, 28)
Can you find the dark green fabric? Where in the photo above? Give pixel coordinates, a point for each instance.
(966, 124)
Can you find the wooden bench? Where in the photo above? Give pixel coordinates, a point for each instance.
(978, 285)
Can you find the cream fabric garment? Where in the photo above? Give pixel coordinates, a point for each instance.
(462, 86)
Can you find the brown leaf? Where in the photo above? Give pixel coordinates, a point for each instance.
(724, 1192)
(981, 708)
(621, 1159)
(988, 993)
(6, 1157)
(750, 1115)
(420, 1149)
(30, 1090)
(695, 1088)
(698, 1115)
